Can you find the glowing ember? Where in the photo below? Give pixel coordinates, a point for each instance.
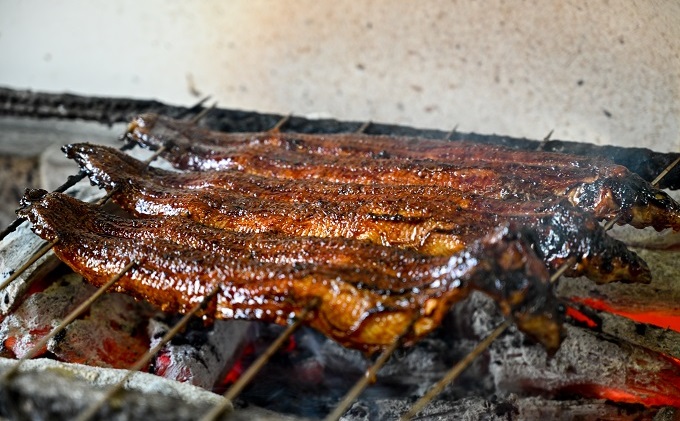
(666, 319)
(581, 317)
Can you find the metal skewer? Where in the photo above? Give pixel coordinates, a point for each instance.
(545, 140)
(282, 121)
(456, 371)
(146, 358)
(73, 179)
(48, 246)
(194, 108)
(450, 134)
(255, 368)
(365, 125)
(71, 317)
(195, 119)
(369, 376)
(70, 182)
(40, 253)
(87, 303)
(371, 373)
(663, 173)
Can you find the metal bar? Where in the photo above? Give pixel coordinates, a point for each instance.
(451, 133)
(369, 377)
(155, 155)
(67, 320)
(610, 224)
(563, 268)
(146, 358)
(194, 108)
(40, 253)
(203, 113)
(365, 125)
(545, 140)
(455, 371)
(663, 173)
(255, 368)
(280, 123)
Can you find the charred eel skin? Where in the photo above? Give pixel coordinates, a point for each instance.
(360, 309)
(432, 220)
(594, 184)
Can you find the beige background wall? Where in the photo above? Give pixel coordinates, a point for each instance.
(602, 71)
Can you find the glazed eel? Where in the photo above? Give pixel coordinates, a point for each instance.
(358, 307)
(604, 189)
(437, 221)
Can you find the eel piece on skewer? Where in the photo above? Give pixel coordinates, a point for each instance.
(594, 184)
(437, 221)
(357, 308)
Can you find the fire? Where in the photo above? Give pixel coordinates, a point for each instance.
(238, 368)
(666, 319)
(633, 395)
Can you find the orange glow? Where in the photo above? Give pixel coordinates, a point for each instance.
(580, 317)
(238, 367)
(643, 397)
(660, 318)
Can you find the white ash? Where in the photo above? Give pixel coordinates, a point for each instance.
(51, 390)
(510, 408)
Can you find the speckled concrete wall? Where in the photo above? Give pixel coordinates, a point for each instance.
(601, 71)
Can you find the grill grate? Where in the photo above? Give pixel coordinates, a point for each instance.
(291, 123)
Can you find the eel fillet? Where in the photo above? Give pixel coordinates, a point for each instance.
(593, 184)
(432, 220)
(358, 308)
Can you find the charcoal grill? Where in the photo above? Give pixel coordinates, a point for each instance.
(548, 387)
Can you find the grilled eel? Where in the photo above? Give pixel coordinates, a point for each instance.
(604, 189)
(433, 220)
(358, 308)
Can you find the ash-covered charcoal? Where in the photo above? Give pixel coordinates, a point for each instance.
(511, 408)
(112, 335)
(48, 390)
(590, 366)
(200, 354)
(41, 312)
(587, 365)
(310, 376)
(411, 371)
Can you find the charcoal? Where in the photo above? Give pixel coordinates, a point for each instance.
(41, 312)
(47, 390)
(201, 353)
(113, 334)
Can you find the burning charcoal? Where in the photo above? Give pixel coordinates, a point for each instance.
(200, 354)
(512, 408)
(113, 335)
(588, 364)
(41, 312)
